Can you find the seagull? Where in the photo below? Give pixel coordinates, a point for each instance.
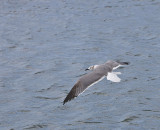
(98, 72)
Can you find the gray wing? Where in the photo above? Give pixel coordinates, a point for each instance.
(83, 83)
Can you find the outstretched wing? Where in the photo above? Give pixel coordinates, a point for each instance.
(82, 84)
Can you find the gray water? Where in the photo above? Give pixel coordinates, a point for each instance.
(45, 46)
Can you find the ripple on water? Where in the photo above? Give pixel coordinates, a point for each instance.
(48, 98)
(36, 126)
(129, 119)
(90, 122)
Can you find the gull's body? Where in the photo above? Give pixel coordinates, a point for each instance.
(97, 74)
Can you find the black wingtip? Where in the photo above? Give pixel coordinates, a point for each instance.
(72, 94)
(68, 98)
(64, 101)
(123, 63)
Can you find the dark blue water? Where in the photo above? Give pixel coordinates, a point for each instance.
(45, 46)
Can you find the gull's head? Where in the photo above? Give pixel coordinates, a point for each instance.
(90, 68)
(93, 67)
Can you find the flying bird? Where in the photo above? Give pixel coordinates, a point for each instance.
(98, 72)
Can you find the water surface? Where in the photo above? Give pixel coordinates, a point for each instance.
(45, 46)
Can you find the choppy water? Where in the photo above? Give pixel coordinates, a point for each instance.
(45, 46)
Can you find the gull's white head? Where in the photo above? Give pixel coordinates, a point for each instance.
(93, 67)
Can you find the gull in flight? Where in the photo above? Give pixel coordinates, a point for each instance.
(98, 72)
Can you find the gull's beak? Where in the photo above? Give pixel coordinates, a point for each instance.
(86, 69)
